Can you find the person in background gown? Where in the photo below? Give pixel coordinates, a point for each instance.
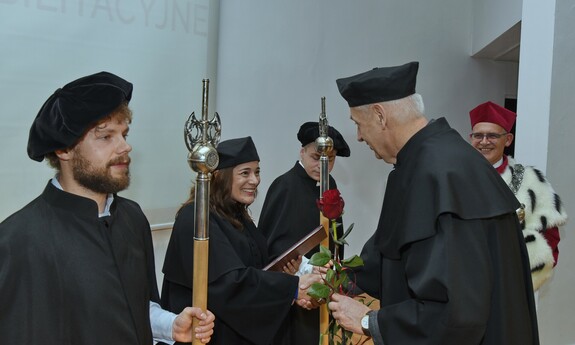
(543, 210)
(290, 212)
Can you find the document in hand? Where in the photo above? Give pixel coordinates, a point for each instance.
(301, 247)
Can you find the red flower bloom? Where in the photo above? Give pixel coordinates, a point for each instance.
(331, 204)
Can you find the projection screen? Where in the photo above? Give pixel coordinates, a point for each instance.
(164, 47)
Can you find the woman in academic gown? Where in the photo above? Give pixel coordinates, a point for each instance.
(250, 304)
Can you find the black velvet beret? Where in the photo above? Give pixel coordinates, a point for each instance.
(236, 151)
(73, 109)
(381, 84)
(309, 131)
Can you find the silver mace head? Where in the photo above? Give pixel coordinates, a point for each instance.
(202, 137)
(323, 143)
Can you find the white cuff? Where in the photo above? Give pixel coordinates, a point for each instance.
(161, 321)
(304, 267)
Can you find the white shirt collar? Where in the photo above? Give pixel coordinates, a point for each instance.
(498, 163)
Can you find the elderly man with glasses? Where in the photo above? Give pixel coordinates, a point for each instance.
(542, 211)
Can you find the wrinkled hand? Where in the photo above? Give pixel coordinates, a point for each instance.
(347, 312)
(182, 327)
(304, 300)
(292, 266)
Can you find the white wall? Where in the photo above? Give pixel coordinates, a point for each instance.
(491, 18)
(534, 90)
(161, 238)
(278, 58)
(161, 47)
(556, 301)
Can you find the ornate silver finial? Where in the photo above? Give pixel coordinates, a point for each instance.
(202, 137)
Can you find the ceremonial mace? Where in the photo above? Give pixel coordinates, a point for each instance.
(323, 146)
(202, 137)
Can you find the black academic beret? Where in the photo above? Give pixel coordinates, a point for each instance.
(381, 84)
(71, 110)
(236, 151)
(309, 131)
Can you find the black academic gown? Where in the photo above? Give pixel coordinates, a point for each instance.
(288, 214)
(250, 304)
(69, 277)
(448, 253)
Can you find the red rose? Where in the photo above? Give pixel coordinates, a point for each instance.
(331, 205)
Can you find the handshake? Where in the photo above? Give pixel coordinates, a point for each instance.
(321, 277)
(303, 299)
(308, 276)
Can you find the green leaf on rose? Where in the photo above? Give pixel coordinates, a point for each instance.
(330, 276)
(354, 261)
(343, 278)
(341, 241)
(318, 290)
(337, 266)
(347, 231)
(324, 250)
(319, 259)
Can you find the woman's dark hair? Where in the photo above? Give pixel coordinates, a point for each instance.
(221, 201)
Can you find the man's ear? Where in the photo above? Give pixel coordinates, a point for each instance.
(301, 152)
(508, 139)
(64, 154)
(380, 113)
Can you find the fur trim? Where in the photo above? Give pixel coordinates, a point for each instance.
(543, 207)
(543, 210)
(540, 257)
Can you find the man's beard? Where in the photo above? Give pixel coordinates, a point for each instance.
(99, 180)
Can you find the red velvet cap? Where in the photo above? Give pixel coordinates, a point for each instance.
(491, 112)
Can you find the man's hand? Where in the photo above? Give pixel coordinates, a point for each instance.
(292, 266)
(347, 312)
(182, 327)
(304, 300)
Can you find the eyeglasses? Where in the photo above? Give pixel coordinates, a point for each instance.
(489, 136)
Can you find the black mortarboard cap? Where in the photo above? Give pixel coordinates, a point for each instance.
(71, 110)
(236, 151)
(381, 84)
(309, 131)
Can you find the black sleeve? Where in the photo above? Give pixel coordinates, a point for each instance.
(450, 279)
